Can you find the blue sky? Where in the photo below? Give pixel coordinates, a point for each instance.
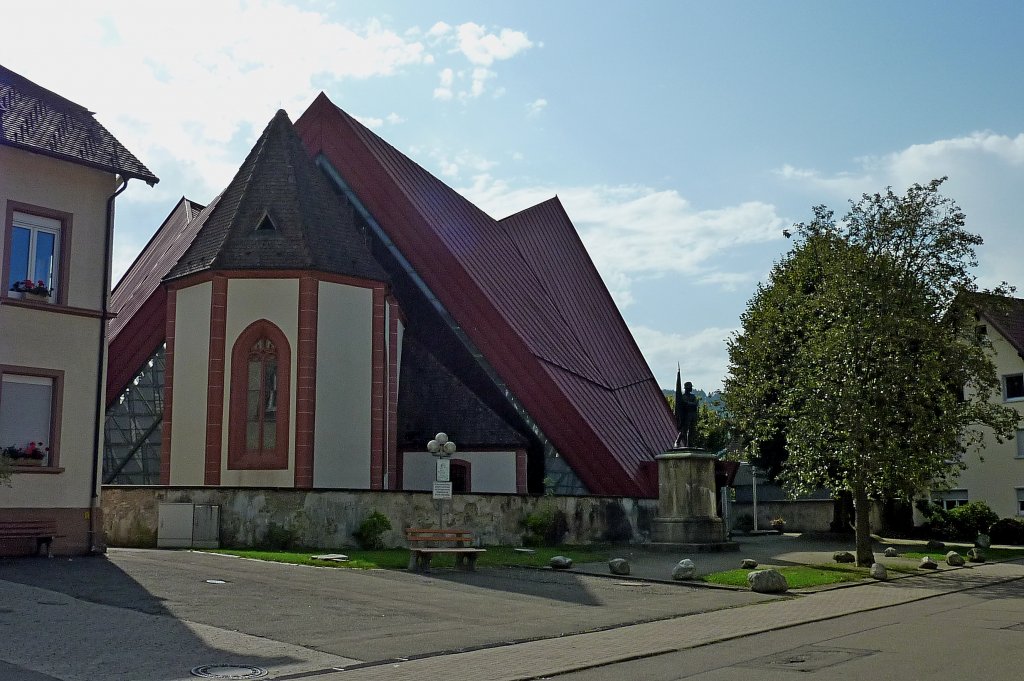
(682, 137)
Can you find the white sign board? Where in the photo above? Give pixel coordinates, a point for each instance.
(442, 490)
(444, 468)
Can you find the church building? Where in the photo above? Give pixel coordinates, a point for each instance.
(315, 324)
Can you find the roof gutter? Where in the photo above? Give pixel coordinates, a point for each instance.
(101, 356)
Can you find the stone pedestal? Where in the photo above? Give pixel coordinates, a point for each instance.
(687, 517)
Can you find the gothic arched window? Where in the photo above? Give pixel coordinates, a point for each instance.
(260, 380)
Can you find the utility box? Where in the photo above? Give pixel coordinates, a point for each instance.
(184, 525)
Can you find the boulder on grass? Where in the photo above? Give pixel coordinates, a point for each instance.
(618, 566)
(748, 564)
(928, 564)
(560, 562)
(684, 569)
(891, 552)
(954, 559)
(878, 572)
(934, 545)
(983, 541)
(976, 555)
(767, 582)
(843, 557)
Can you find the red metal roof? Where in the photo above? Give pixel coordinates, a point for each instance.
(557, 344)
(139, 301)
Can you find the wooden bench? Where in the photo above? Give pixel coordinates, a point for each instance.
(424, 543)
(43, 531)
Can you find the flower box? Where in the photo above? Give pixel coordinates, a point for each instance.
(34, 454)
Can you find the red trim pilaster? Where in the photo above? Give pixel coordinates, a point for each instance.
(215, 382)
(165, 426)
(394, 316)
(305, 391)
(521, 471)
(377, 392)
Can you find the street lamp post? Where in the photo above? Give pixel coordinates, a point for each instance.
(442, 448)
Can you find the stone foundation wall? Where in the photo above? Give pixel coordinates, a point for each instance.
(326, 519)
(801, 515)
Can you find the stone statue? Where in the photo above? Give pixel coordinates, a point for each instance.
(686, 417)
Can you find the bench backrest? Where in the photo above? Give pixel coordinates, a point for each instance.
(458, 537)
(27, 528)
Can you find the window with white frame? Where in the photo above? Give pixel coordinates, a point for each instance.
(34, 252)
(1013, 386)
(950, 499)
(26, 417)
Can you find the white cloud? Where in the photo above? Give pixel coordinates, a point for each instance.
(445, 81)
(985, 170)
(535, 107)
(394, 119)
(439, 30)
(633, 231)
(483, 48)
(703, 355)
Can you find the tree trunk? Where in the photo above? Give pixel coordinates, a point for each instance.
(865, 557)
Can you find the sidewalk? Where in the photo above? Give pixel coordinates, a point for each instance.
(548, 657)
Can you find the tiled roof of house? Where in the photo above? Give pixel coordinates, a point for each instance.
(138, 299)
(280, 213)
(1006, 315)
(43, 122)
(581, 379)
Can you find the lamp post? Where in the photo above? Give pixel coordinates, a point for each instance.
(442, 448)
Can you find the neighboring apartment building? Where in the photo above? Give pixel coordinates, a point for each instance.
(59, 173)
(995, 475)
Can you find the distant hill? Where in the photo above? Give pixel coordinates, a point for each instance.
(712, 399)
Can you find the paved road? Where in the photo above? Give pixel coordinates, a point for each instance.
(152, 616)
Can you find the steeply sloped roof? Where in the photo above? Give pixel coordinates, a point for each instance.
(43, 122)
(528, 328)
(279, 213)
(1006, 315)
(461, 413)
(138, 299)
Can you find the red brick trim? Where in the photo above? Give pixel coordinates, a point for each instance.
(56, 410)
(377, 391)
(238, 457)
(208, 275)
(521, 480)
(165, 426)
(394, 317)
(215, 382)
(305, 390)
(65, 219)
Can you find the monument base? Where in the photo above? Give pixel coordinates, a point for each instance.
(714, 547)
(693, 530)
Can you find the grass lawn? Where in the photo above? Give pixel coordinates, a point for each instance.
(394, 559)
(805, 576)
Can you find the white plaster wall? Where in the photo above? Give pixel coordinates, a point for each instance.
(249, 300)
(342, 440)
(191, 371)
(490, 472)
(41, 339)
(994, 473)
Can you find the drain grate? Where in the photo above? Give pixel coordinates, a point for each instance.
(229, 671)
(807, 658)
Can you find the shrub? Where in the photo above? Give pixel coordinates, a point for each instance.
(546, 526)
(371, 531)
(971, 519)
(278, 538)
(1007, 531)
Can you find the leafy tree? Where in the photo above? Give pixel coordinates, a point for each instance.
(848, 370)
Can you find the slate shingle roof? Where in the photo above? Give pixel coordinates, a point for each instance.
(308, 225)
(43, 122)
(1006, 315)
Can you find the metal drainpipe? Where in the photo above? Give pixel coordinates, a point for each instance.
(101, 352)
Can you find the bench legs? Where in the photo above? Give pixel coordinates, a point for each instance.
(419, 561)
(465, 561)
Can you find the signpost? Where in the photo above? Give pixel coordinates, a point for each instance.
(442, 448)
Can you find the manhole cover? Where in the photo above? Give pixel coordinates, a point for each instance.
(229, 671)
(215, 581)
(807, 658)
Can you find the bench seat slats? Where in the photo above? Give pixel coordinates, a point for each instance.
(420, 555)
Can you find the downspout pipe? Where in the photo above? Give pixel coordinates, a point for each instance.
(101, 353)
